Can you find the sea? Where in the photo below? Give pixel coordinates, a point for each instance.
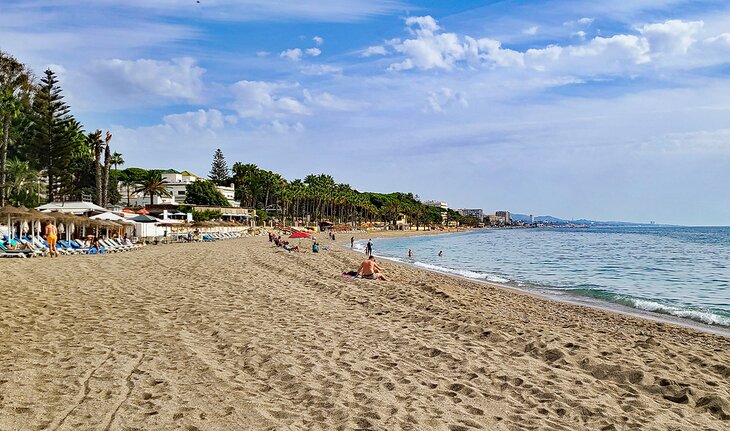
(682, 272)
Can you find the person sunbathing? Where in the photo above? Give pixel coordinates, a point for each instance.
(17, 245)
(370, 270)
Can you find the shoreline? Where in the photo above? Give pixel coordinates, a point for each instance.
(566, 298)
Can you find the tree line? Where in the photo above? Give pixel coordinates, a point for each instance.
(45, 153)
(317, 197)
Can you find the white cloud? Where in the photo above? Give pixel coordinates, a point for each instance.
(321, 69)
(313, 52)
(429, 51)
(293, 54)
(671, 37)
(531, 31)
(179, 78)
(263, 100)
(318, 40)
(722, 39)
(491, 50)
(426, 25)
(328, 101)
(269, 101)
(282, 128)
(620, 48)
(668, 42)
(296, 54)
(585, 21)
(439, 101)
(200, 119)
(263, 54)
(582, 22)
(374, 50)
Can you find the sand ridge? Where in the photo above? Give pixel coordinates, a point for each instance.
(242, 335)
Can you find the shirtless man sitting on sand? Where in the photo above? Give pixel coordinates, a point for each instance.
(370, 270)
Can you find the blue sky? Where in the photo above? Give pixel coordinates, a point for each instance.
(607, 110)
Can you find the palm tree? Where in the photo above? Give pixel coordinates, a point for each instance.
(152, 185)
(105, 170)
(128, 184)
(21, 183)
(117, 160)
(15, 87)
(96, 144)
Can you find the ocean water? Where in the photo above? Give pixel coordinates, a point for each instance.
(678, 271)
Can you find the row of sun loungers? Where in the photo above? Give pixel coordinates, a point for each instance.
(35, 246)
(215, 236)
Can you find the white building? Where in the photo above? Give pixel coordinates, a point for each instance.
(472, 212)
(443, 206)
(175, 183)
(438, 204)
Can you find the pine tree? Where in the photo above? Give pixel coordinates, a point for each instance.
(219, 172)
(53, 134)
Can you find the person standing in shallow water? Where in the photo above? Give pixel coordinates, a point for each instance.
(441, 253)
(410, 253)
(369, 248)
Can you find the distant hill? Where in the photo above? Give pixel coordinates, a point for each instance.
(558, 221)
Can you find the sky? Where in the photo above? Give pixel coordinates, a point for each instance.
(578, 109)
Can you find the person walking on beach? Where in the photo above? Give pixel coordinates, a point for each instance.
(369, 248)
(352, 242)
(51, 238)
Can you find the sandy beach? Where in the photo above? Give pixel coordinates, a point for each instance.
(239, 334)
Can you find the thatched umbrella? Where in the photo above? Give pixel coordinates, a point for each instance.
(9, 211)
(60, 217)
(35, 216)
(73, 222)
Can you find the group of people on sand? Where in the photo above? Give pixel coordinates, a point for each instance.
(283, 243)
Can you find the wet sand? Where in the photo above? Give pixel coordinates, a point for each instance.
(241, 335)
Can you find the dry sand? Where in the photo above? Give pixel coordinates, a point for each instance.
(240, 335)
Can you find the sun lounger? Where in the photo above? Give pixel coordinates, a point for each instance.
(108, 245)
(6, 250)
(36, 251)
(4, 253)
(82, 248)
(117, 243)
(39, 241)
(70, 247)
(63, 245)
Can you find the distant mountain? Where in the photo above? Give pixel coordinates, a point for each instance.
(538, 219)
(558, 221)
